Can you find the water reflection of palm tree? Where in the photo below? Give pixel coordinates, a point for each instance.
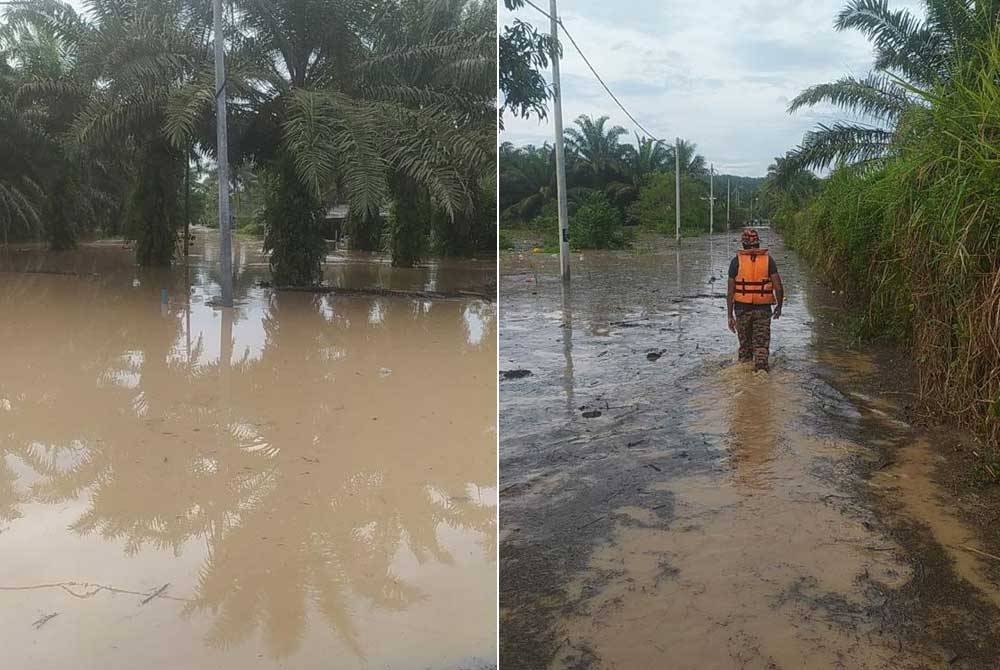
(61, 390)
(279, 479)
(10, 498)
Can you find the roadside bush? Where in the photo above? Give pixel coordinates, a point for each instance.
(504, 242)
(596, 224)
(655, 210)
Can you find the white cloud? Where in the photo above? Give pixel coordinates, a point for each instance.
(717, 73)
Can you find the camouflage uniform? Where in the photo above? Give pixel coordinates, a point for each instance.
(753, 326)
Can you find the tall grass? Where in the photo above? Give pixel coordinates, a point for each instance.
(916, 239)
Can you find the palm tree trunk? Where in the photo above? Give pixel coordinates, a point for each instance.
(408, 224)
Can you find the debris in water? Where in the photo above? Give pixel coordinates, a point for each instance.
(514, 374)
(44, 620)
(592, 522)
(592, 414)
(654, 356)
(155, 594)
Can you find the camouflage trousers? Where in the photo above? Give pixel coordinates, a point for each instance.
(754, 330)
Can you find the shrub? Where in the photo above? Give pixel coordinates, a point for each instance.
(655, 210)
(504, 241)
(596, 225)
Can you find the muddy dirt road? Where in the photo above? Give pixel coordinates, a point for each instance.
(306, 481)
(665, 507)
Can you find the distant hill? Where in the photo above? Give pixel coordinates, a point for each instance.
(742, 183)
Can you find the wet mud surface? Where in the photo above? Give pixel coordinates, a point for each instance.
(302, 481)
(664, 506)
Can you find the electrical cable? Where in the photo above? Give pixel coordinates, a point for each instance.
(596, 75)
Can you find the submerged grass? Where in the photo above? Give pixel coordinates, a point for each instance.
(915, 239)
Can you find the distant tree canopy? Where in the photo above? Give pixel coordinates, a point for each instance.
(368, 103)
(636, 181)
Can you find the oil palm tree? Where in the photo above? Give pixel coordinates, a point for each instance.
(527, 178)
(597, 147)
(691, 161)
(911, 56)
(646, 157)
(787, 186)
(370, 104)
(50, 92)
(129, 57)
(144, 52)
(20, 196)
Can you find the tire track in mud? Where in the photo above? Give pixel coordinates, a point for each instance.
(714, 518)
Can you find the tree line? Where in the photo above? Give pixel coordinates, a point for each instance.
(613, 184)
(386, 105)
(908, 219)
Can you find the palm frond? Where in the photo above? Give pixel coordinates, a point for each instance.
(329, 135)
(902, 42)
(841, 143)
(876, 96)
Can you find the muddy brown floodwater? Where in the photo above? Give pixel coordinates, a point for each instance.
(687, 513)
(304, 481)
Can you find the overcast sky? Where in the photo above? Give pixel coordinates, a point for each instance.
(717, 72)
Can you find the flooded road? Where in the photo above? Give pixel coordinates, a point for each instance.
(304, 481)
(664, 507)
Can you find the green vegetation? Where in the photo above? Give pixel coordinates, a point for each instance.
(912, 230)
(596, 225)
(385, 104)
(523, 52)
(612, 186)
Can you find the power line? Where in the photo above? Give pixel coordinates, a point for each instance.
(594, 72)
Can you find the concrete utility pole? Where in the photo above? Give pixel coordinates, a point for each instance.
(711, 198)
(560, 149)
(729, 223)
(677, 187)
(222, 136)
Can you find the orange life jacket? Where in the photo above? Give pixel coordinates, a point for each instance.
(753, 280)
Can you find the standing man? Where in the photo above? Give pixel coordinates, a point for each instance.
(754, 285)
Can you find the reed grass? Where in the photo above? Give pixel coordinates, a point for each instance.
(915, 238)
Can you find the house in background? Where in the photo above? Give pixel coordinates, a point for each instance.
(335, 221)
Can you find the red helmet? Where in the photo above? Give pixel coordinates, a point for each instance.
(750, 239)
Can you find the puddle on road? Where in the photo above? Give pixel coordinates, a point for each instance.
(909, 485)
(311, 477)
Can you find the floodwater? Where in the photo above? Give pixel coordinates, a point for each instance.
(303, 481)
(687, 513)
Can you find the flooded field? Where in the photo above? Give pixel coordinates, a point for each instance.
(304, 481)
(664, 507)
